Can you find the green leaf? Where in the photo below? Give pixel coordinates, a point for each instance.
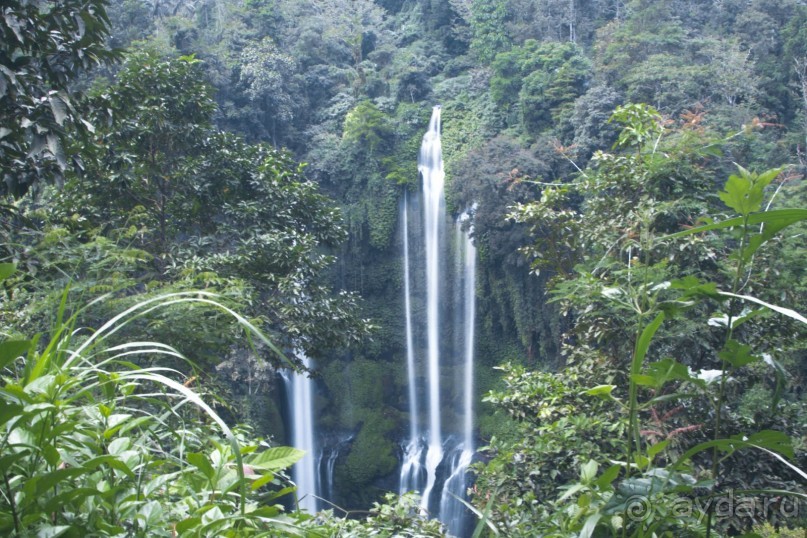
(112, 461)
(150, 513)
(739, 194)
(51, 455)
(262, 481)
(653, 450)
(643, 343)
(6, 462)
(737, 354)
(58, 502)
(201, 462)
(43, 482)
(188, 524)
(59, 109)
(644, 380)
(588, 471)
(484, 518)
(590, 525)
(117, 446)
(606, 478)
(10, 350)
(55, 148)
(265, 511)
(279, 493)
(665, 370)
(276, 458)
(571, 491)
(600, 390)
(778, 217)
(9, 411)
(6, 270)
(772, 440)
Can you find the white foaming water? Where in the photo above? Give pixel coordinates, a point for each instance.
(436, 459)
(300, 390)
(430, 166)
(411, 469)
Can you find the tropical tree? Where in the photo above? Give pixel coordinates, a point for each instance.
(202, 209)
(641, 289)
(44, 48)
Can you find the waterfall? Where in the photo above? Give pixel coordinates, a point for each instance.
(300, 391)
(452, 512)
(329, 454)
(435, 459)
(430, 166)
(412, 468)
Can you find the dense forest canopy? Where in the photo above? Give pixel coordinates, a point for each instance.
(198, 193)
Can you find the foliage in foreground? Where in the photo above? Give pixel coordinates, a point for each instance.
(94, 445)
(642, 360)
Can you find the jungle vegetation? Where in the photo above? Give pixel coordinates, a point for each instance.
(193, 189)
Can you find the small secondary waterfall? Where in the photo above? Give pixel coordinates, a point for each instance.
(437, 455)
(300, 391)
(331, 449)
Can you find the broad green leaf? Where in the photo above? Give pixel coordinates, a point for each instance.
(641, 461)
(653, 450)
(607, 477)
(211, 515)
(262, 481)
(737, 354)
(58, 502)
(588, 471)
(117, 446)
(10, 350)
(6, 270)
(779, 218)
(150, 513)
(188, 524)
(55, 148)
(43, 482)
(571, 491)
(667, 369)
(740, 195)
(201, 462)
(265, 511)
(58, 108)
(114, 423)
(51, 455)
(279, 493)
(692, 287)
(772, 440)
(7, 461)
(276, 458)
(644, 380)
(9, 411)
(600, 390)
(113, 461)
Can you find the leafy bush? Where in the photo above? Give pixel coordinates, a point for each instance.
(93, 444)
(638, 288)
